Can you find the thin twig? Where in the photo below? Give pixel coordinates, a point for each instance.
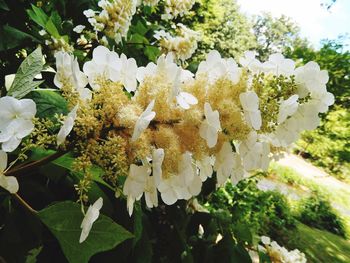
(25, 204)
(33, 165)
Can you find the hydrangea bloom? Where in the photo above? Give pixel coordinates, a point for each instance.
(278, 65)
(9, 183)
(15, 121)
(224, 163)
(90, 217)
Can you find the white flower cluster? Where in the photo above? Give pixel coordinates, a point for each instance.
(252, 152)
(114, 19)
(175, 8)
(183, 45)
(278, 253)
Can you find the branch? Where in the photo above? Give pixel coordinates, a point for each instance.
(33, 165)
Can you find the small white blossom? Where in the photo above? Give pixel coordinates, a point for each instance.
(224, 161)
(143, 121)
(68, 73)
(67, 126)
(210, 126)
(205, 167)
(215, 67)
(250, 62)
(15, 121)
(134, 185)
(311, 78)
(9, 183)
(128, 73)
(89, 13)
(250, 104)
(157, 161)
(78, 29)
(287, 108)
(278, 65)
(42, 32)
(255, 154)
(90, 217)
(184, 99)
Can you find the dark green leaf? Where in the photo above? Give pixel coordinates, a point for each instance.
(11, 37)
(4, 6)
(64, 219)
(32, 254)
(48, 103)
(23, 82)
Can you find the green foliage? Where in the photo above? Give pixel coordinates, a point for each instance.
(263, 213)
(64, 219)
(223, 28)
(316, 211)
(23, 82)
(274, 34)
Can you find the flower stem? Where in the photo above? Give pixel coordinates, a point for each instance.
(33, 165)
(25, 204)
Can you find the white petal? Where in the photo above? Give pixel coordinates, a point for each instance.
(9, 183)
(3, 161)
(11, 144)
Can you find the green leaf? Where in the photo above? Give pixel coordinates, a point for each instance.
(32, 254)
(152, 53)
(51, 29)
(64, 220)
(66, 161)
(11, 37)
(4, 6)
(23, 82)
(38, 16)
(48, 103)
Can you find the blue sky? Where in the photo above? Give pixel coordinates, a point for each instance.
(315, 21)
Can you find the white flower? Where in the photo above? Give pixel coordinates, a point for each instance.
(9, 183)
(89, 13)
(79, 28)
(250, 104)
(224, 163)
(90, 217)
(108, 65)
(287, 108)
(215, 67)
(135, 183)
(311, 78)
(42, 32)
(151, 194)
(306, 117)
(322, 101)
(9, 80)
(238, 172)
(68, 73)
(105, 64)
(210, 126)
(128, 73)
(184, 185)
(255, 155)
(157, 160)
(205, 167)
(143, 121)
(250, 62)
(183, 99)
(265, 240)
(15, 121)
(278, 65)
(67, 126)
